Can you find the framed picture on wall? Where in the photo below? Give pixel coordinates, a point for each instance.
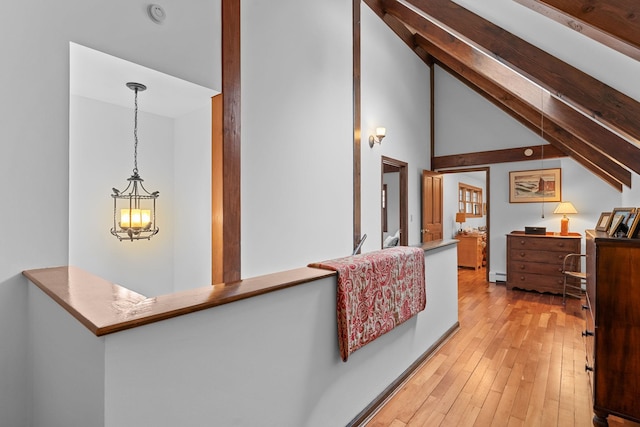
(531, 186)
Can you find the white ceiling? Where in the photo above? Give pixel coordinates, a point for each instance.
(103, 77)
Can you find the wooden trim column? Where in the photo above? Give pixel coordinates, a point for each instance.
(225, 226)
(357, 123)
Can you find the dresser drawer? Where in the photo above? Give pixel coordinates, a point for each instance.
(543, 243)
(517, 266)
(535, 282)
(540, 256)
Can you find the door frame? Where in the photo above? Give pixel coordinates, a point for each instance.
(487, 171)
(404, 197)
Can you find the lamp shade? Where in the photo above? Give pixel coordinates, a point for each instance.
(565, 208)
(461, 217)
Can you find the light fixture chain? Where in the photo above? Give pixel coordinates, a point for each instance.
(135, 135)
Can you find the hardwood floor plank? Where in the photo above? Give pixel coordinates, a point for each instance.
(488, 410)
(517, 360)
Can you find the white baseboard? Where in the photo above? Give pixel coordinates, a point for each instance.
(497, 277)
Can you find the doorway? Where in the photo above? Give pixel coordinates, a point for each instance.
(394, 203)
(451, 203)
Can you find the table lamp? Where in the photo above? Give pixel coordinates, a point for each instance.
(460, 218)
(565, 208)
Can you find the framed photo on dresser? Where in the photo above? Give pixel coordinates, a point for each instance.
(616, 221)
(604, 221)
(619, 226)
(632, 223)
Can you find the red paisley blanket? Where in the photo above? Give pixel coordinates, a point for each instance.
(376, 292)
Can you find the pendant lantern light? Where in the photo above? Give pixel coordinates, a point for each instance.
(134, 208)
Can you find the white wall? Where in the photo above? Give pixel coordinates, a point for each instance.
(466, 122)
(67, 364)
(34, 154)
(192, 197)
(297, 126)
(395, 94)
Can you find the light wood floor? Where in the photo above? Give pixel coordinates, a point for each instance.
(517, 360)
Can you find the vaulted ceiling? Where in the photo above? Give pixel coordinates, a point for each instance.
(578, 115)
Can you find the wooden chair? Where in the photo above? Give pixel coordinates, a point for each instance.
(573, 277)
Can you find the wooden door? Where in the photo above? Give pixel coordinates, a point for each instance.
(431, 206)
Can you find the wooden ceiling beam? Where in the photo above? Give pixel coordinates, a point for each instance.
(614, 24)
(538, 152)
(592, 158)
(601, 166)
(614, 109)
(562, 142)
(433, 37)
(405, 34)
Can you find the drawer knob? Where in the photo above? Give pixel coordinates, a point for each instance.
(587, 333)
(522, 267)
(522, 254)
(522, 242)
(588, 368)
(522, 278)
(585, 307)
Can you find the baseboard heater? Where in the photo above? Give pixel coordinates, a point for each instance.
(497, 277)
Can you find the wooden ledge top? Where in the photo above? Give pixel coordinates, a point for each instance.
(437, 244)
(104, 307)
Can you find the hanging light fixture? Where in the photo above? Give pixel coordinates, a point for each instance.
(134, 208)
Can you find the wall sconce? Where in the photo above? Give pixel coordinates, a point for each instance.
(135, 206)
(565, 208)
(380, 134)
(461, 217)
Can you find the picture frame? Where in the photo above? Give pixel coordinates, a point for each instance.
(604, 221)
(633, 224)
(625, 212)
(538, 185)
(616, 221)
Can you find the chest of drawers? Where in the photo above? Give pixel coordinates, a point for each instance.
(612, 334)
(534, 262)
(470, 250)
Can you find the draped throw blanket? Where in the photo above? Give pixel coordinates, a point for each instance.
(376, 292)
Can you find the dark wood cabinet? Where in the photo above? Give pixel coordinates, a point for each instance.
(612, 334)
(534, 262)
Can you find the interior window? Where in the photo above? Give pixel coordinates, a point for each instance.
(470, 200)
